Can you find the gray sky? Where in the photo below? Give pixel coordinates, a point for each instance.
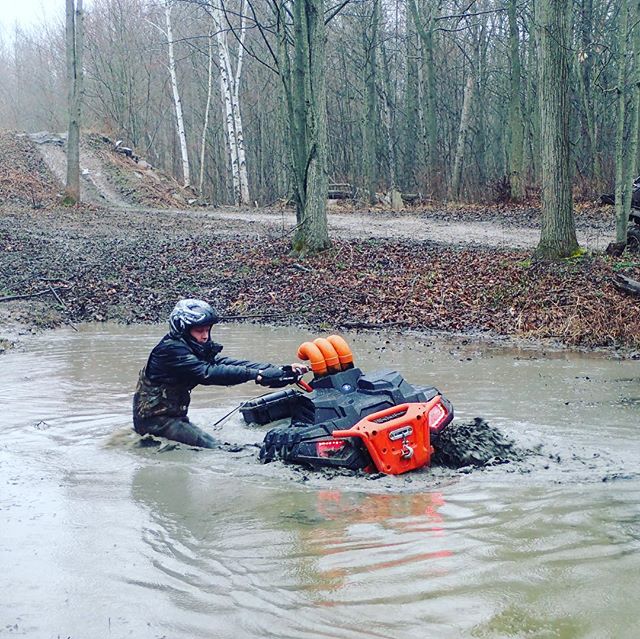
(28, 13)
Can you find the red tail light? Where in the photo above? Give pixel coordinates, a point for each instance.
(329, 446)
(437, 416)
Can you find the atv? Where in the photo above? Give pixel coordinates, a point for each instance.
(345, 418)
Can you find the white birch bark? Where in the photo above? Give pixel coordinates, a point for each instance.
(168, 5)
(242, 163)
(224, 65)
(205, 125)
(230, 87)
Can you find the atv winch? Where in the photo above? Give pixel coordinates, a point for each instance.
(348, 419)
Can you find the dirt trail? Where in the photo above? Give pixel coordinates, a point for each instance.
(129, 184)
(94, 187)
(497, 232)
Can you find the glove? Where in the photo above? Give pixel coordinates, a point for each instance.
(277, 377)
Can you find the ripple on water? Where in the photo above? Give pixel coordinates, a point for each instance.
(167, 540)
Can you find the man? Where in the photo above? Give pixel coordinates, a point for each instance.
(184, 358)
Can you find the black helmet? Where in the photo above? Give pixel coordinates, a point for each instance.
(188, 313)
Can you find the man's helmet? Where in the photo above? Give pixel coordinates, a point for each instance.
(188, 313)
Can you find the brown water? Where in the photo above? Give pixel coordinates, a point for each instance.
(102, 538)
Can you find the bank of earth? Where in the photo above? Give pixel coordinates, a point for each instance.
(75, 265)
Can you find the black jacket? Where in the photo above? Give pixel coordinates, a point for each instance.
(179, 361)
(175, 366)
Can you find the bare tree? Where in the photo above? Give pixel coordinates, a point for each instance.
(516, 124)
(184, 151)
(230, 91)
(558, 236)
(301, 65)
(74, 45)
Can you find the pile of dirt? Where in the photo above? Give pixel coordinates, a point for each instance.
(33, 172)
(475, 443)
(25, 179)
(134, 179)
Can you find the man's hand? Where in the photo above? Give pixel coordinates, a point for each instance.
(299, 369)
(271, 377)
(277, 377)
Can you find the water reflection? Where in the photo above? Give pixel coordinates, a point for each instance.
(218, 544)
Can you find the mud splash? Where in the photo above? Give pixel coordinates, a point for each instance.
(476, 444)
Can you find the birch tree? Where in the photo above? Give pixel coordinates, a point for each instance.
(74, 47)
(177, 102)
(230, 91)
(207, 109)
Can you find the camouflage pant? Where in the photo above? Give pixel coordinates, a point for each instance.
(178, 429)
(161, 410)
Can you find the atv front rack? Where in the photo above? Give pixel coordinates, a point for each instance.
(398, 438)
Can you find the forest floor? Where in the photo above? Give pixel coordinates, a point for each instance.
(138, 246)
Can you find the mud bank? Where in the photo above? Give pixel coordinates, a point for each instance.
(62, 266)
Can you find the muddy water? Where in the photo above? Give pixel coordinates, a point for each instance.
(100, 537)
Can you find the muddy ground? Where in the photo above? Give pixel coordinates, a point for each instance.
(464, 269)
(71, 266)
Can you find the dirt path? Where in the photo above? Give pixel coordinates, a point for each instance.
(94, 186)
(495, 232)
(131, 186)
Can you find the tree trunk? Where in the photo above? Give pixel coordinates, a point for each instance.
(465, 121)
(410, 129)
(176, 97)
(631, 154)
(225, 92)
(313, 233)
(205, 125)
(369, 125)
(74, 49)
(306, 102)
(584, 71)
(621, 186)
(429, 108)
(237, 117)
(516, 124)
(229, 83)
(558, 236)
(388, 109)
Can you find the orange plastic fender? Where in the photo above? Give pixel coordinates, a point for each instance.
(398, 438)
(344, 352)
(329, 353)
(311, 352)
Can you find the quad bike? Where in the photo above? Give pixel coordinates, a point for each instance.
(344, 418)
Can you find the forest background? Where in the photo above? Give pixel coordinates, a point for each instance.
(437, 98)
(531, 104)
